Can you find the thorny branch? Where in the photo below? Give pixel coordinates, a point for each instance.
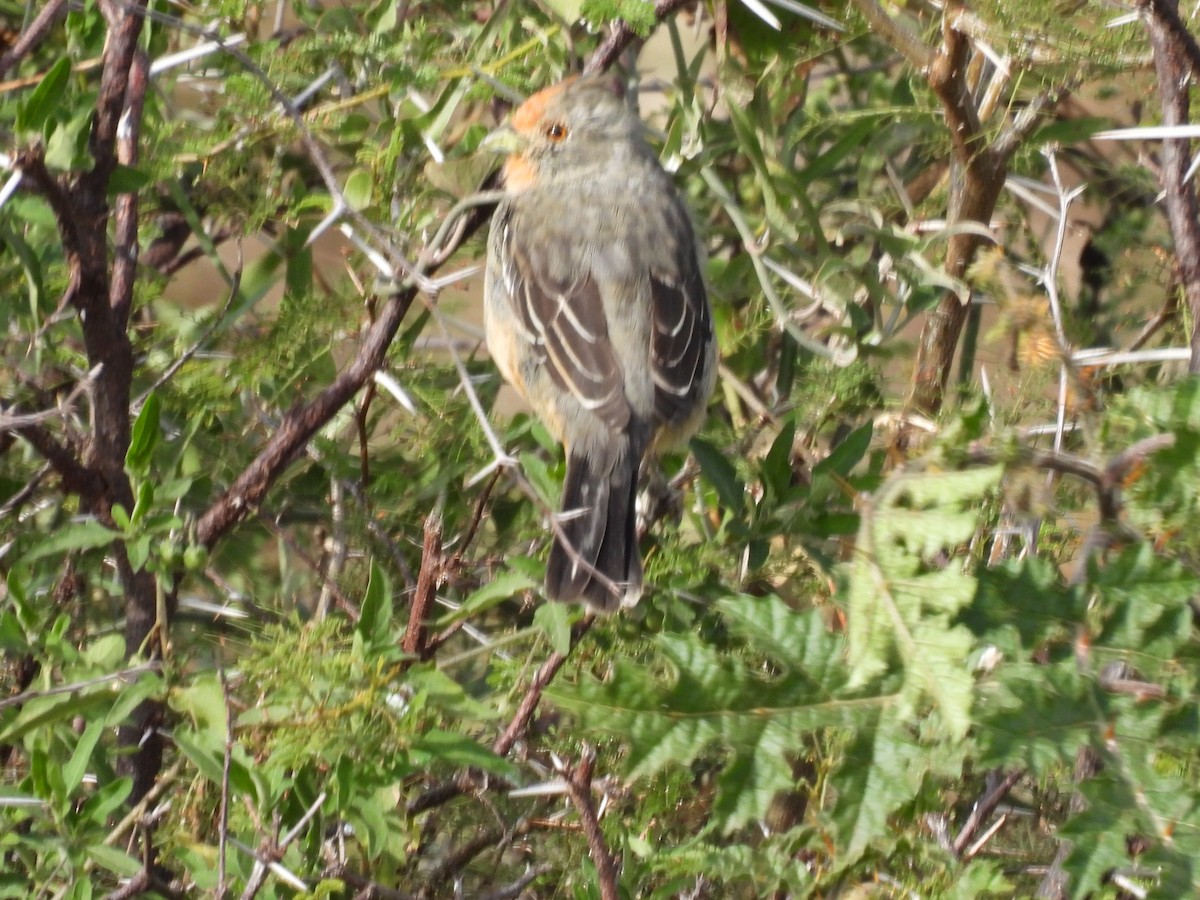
(977, 176)
(984, 808)
(33, 35)
(579, 789)
(101, 290)
(621, 35)
(1175, 63)
(428, 579)
(440, 794)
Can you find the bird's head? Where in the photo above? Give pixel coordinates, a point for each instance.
(568, 128)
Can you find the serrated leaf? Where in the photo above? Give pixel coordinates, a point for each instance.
(882, 769)
(1148, 601)
(901, 611)
(710, 698)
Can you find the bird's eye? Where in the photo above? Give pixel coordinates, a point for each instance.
(557, 132)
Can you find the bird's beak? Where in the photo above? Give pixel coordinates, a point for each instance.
(503, 140)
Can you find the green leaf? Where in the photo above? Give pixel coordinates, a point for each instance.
(777, 464)
(141, 506)
(207, 754)
(148, 684)
(507, 584)
(39, 712)
(31, 266)
(107, 800)
(84, 535)
(203, 702)
(709, 698)
(450, 749)
(76, 766)
(882, 769)
(358, 190)
(847, 454)
(1147, 599)
(567, 10)
(721, 473)
(375, 619)
(902, 610)
(554, 619)
(43, 101)
(127, 180)
(145, 435)
(114, 860)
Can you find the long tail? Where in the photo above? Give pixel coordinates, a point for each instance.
(599, 562)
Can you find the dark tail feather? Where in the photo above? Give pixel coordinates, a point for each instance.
(599, 563)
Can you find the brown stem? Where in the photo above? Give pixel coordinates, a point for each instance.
(441, 793)
(621, 36)
(579, 789)
(984, 808)
(533, 696)
(125, 249)
(32, 36)
(305, 419)
(978, 173)
(1173, 65)
(428, 579)
(1167, 12)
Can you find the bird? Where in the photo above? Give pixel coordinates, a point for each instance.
(597, 313)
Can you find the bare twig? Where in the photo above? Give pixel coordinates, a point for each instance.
(514, 890)
(365, 888)
(1174, 58)
(440, 794)
(1105, 479)
(125, 245)
(978, 174)
(621, 36)
(223, 815)
(459, 858)
(1167, 14)
(77, 686)
(32, 36)
(339, 549)
(428, 579)
(138, 884)
(903, 39)
(14, 421)
(579, 789)
(533, 696)
(984, 808)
